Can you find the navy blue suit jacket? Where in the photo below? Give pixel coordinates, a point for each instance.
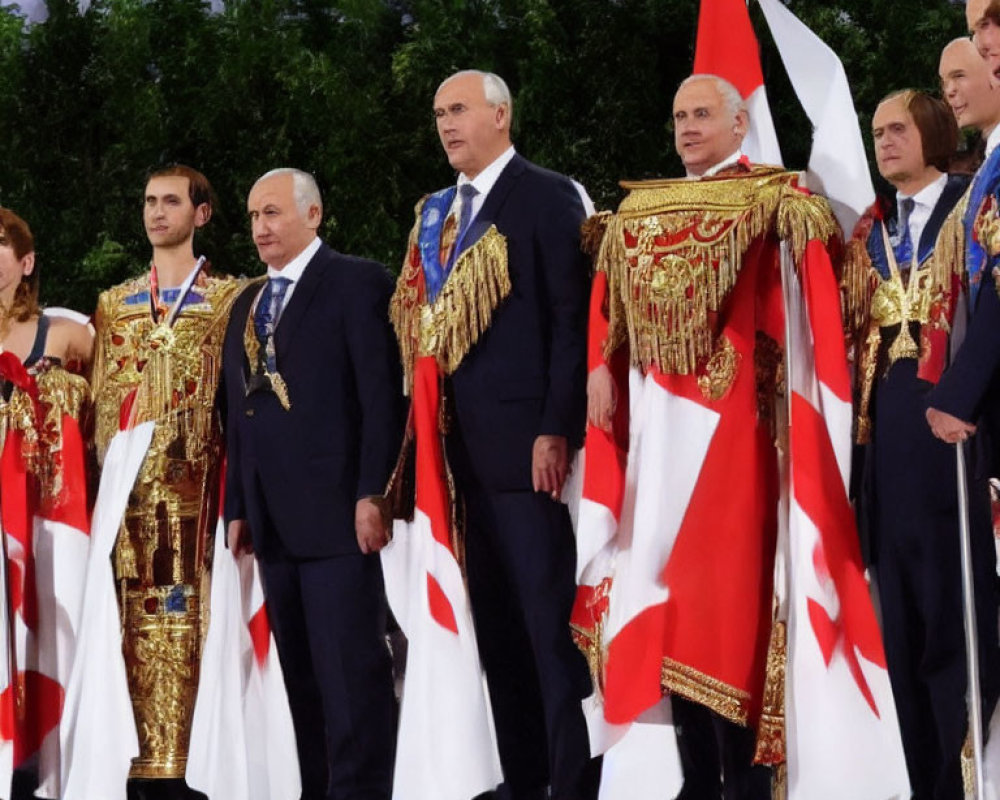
(527, 375)
(297, 474)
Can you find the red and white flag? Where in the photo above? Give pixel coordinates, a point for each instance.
(842, 734)
(46, 541)
(838, 166)
(99, 737)
(242, 738)
(726, 46)
(242, 742)
(446, 747)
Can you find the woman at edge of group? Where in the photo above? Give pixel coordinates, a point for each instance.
(44, 400)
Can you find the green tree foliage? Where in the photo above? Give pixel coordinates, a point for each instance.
(90, 103)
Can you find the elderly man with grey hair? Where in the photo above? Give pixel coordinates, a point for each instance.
(314, 417)
(687, 322)
(503, 243)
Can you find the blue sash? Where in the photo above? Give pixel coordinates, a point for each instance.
(983, 184)
(432, 217)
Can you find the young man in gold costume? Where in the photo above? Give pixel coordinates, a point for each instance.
(158, 356)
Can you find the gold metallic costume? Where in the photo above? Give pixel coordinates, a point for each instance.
(162, 555)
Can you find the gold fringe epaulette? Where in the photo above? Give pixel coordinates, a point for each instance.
(675, 249)
(803, 218)
(463, 310)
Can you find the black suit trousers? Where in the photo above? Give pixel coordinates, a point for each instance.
(328, 617)
(520, 557)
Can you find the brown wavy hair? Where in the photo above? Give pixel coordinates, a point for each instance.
(936, 123)
(15, 232)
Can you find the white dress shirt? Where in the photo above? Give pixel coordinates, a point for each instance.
(923, 206)
(716, 168)
(293, 271)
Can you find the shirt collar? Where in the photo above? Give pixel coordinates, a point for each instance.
(992, 141)
(484, 180)
(717, 168)
(294, 268)
(929, 195)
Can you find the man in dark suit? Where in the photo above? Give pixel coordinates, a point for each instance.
(505, 242)
(314, 419)
(909, 502)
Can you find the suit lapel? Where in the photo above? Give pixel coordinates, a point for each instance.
(494, 202)
(305, 291)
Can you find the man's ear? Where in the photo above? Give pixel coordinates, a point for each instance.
(202, 214)
(314, 216)
(742, 124)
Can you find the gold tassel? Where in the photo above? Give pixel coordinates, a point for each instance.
(464, 309)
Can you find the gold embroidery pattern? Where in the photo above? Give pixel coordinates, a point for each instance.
(720, 371)
(675, 248)
(60, 394)
(590, 641)
(162, 547)
(987, 226)
(163, 664)
(725, 700)
(771, 729)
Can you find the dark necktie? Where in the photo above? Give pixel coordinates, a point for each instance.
(467, 192)
(904, 246)
(265, 317)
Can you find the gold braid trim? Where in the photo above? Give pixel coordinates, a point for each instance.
(404, 307)
(725, 700)
(771, 730)
(463, 310)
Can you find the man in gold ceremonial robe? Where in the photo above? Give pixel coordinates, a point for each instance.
(686, 364)
(159, 340)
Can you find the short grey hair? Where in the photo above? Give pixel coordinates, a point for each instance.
(730, 94)
(494, 88)
(304, 188)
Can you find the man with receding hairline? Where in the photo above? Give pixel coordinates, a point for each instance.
(686, 334)
(966, 86)
(313, 422)
(491, 305)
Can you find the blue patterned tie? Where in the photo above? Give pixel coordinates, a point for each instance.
(268, 310)
(904, 246)
(466, 191)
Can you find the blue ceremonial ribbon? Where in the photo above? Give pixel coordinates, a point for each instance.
(876, 250)
(983, 184)
(168, 296)
(432, 216)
